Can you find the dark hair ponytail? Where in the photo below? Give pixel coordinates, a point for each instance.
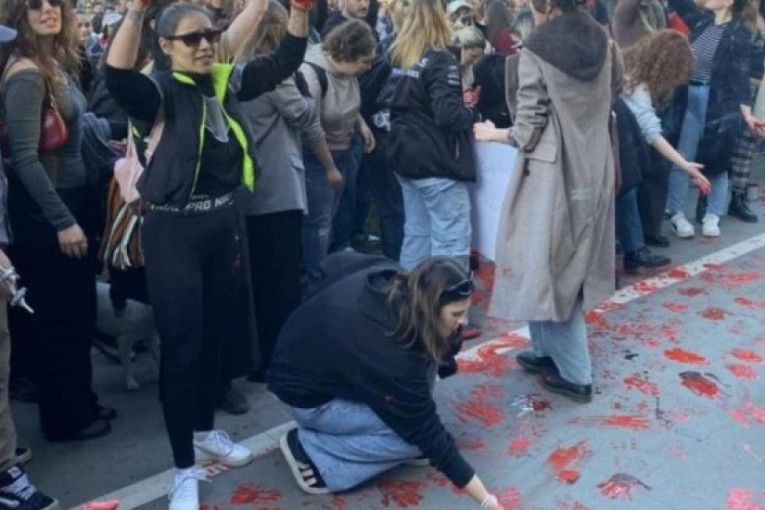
(167, 21)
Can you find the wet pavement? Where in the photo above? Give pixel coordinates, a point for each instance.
(678, 420)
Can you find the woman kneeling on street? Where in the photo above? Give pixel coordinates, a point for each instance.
(356, 365)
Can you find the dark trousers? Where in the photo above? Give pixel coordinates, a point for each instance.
(193, 270)
(386, 190)
(652, 195)
(54, 344)
(629, 230)
(274, 241)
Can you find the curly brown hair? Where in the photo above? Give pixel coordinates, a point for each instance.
(662, 60)
(64, 52)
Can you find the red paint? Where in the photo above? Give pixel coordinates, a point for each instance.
(338, 503)
(676, 307)
(683, 356)
(748, 303)
(253, 494)
(519, 447)
(209, 507)
(539, 405)
(678, 273)
(510, 498)
(743, 371)
(692, 291)
(620, 486)
(486, 273)
(714, 314)
(561, 458)
(484, 391)
(632, 422)
(742, 499)
(641, 384)
(731, 279)
(488, 361)
(645, 288)
(747, 355)
(568, 476)
(402, 494)
(473, 444)
(748, 414)
(487, 414)
(699, 384)
(596, 319)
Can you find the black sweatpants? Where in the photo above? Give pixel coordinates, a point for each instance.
(275, 254)
(54, 343)
(193, 267)
(652, 195)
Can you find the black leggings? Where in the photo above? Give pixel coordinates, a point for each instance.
(193, 266)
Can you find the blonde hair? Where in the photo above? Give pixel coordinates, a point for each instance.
(468, 38)
(269, 34)
(425, 28)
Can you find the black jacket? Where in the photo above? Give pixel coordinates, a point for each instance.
(431, 131)
(729, 87)
(173, 171)
(337, 344)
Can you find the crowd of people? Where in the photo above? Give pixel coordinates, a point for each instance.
(222, 161)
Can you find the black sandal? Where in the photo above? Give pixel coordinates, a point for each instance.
(303, 469)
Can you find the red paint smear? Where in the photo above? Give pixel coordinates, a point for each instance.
(620, 486)
(731, 279)
(471, 444)
(513, 340)
(748, 356)
(519, 446)
(676, 307)
(209, 507)
(486, 273)
(487, 414)
(632, 422)
(678, 273)
(252, 494)
(560, 458)
(683, 356)
(539, 405)
(568, 476)
(748, 413)
(403, 494)
(338, 503)
(488, 362)
(641, 384)
(699, 384)
(510, 498)
(742, 499)
(484, 391)
(743, 371)
(692, 291)
(714, 314)
(645, 287)
(748, 303)
(596, 319)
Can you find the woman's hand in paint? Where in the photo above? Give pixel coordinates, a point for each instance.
(334, 178)
(73, 242)
(694, 170)
(470, 97)
(756, 125)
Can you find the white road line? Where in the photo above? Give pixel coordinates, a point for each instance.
(157, 486)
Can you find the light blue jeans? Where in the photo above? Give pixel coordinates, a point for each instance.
(349, 443)
(437, 220)
(566, 344)
(690, 136)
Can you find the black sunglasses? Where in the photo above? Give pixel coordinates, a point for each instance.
(36, 5)
(193, 39)
(462, 290)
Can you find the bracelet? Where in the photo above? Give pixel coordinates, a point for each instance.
(490, 499)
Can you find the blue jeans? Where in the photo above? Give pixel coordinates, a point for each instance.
(345, 221)
(437, 220)
(690, 136)
(323, 203)
(349, 443)
(566, 344)
(629, 226)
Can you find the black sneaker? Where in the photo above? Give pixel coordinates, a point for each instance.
(17, 493)
(553, 382)
(233, 402)
(644, 257)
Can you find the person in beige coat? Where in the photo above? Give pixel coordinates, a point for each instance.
(555, 255)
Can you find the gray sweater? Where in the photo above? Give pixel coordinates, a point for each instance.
(24, 95)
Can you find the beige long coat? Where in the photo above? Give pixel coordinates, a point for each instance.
(556, 236)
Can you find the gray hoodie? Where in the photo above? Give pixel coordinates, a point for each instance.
(338, 109)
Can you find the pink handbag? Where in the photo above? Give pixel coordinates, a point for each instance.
(128, 169)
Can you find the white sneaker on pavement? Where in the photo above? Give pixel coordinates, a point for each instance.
(682, 227)
(185, 492)
(710, 226)
(217, 446)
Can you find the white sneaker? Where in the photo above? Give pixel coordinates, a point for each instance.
(682, 227)
(217, 446)
(185, 492)
(711, 225)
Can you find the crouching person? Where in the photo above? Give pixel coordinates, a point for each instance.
(356, 364)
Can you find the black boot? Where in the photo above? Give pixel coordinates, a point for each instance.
(701, 209)
(658, 241)
(740, 209)
(644, 257)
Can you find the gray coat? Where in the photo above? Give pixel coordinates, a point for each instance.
(556, 235)
(280, 120)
